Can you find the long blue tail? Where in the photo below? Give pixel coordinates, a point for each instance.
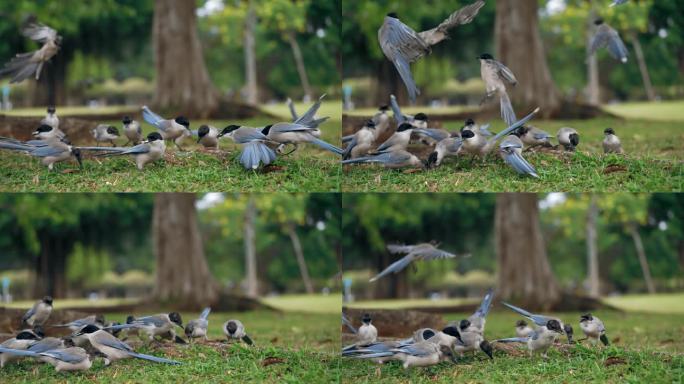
(515, 126)
(522, 166)
(18, 352)
(154, 358)
(394, 267)
(486, 304)
(327, 146)
(512, 340)
(205, 313)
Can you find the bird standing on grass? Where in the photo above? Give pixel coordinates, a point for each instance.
(198, 327)
(105, 133)
(79, 323)
(522, 329)
(255, 150)
(170, 129)
(542, 321)
(39, 313)
(63, 359)
(403, 46)
(540, 339)
(611, 143)
(160, 324)
(132, 131)
(233, 329)
(593, 328)
(568, 138)
(149, 151)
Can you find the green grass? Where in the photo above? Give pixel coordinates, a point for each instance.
(660, 111)
(306, 303)
(411, 303)
(660, 303)
(654, 161)
(309, 169)
(649, 348)
(306, 346)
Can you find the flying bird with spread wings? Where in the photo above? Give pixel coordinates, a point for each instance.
(425, 251)
(403, 46)
(25, 65)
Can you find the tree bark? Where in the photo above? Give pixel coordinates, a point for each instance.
(592, 251)
(523, 271)
(643, 67)
(50, 267)
(593, 89)
(519, 46)
(301, 68)
(182, 274)
(183, 84)
(250, 249)
(297, 246)
(638, 244)
(252, 90)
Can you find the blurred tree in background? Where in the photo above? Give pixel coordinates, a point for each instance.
(465, 223)
(74, 244)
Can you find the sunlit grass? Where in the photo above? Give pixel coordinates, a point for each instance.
(659, 111)
(306, 303)
(659, 303)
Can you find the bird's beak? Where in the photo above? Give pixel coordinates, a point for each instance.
(34, 134)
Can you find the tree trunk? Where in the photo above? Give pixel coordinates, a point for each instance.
(250, 249)
(523, 271)
(252, 90)
(183, 83)
(592, 251)
(301, 68)
(389, 83)
(519, 46)
(638, 244)
(593, 90)
(182, 274)
(50, 268)
(297, 246)
(643, 67)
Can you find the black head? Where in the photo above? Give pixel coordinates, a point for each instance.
(366, 319)
(521, 131)
(370, 124)
(404, 127)
(202, 131)
(487, 348)
(574, 139)
(266, 129)
(130, 319)
(431, 160)
(568, 332)
(231, 327)
(393, 15)
(189, 329)
(90, 328)
(47, 300)
(176, 318)
(554, 325)
(609, 131)
(384, 108)
(27, 335)
(485, 56)
(126, 120)
(451, 331)
(51, 109)
(586, 317)
(467, 134)
(427, 334)
(114, 332)
(421, 117)
(232, 128)
(38, 330)
(154, 136)
(521, 323)
(469, 122)
(44, 128)
(79, 159)
(182, 120)
(464, 324)
(598, 21)
(112, 130)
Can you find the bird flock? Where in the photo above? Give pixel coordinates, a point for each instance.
(403, 46)
(91, 336)
(259, 145)
(428, 346)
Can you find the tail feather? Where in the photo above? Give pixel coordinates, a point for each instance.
(205, 313)
(150, 117)
(154, 358)
(18, 352)
(507, 112)
(520, 165)
(394, 267)
(486, 304)
(327, 146)
(398, 116)
(249, 157)
(512, 340)
(515, 125)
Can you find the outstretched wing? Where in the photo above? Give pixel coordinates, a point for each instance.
(402, 46)
(40, 33)
(432, 254)
(462, 16)
(395, 267)
(66, 356)
(113, 342)
(505, 73)
(307, 118)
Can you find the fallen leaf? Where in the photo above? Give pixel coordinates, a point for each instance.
(271, 360)
(614, 361)
(66, 171)
(614, 168)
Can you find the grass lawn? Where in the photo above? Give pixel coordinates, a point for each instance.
(309, 169)
(290, 347)
(646, 348)
(654, 161)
